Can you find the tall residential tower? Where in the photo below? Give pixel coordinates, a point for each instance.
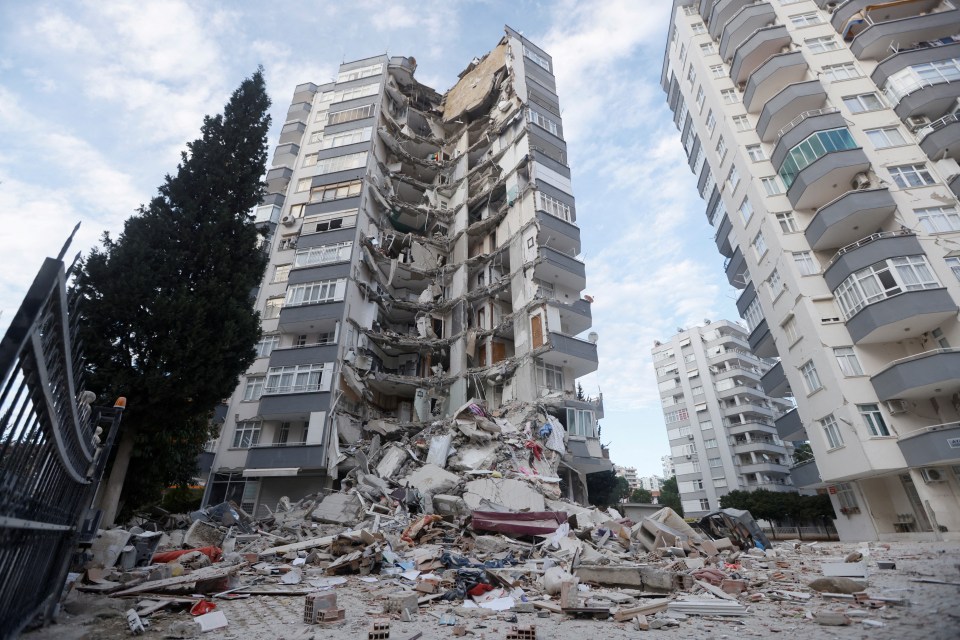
(825, 138)
(422, 253)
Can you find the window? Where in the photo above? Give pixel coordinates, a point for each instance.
(580, 423)
(717, 71)
(326, 254)
(906, 81)
(939, 219)
(536, 57)
(272, 308)
(759, 245)
(711, 443)
(811, 379)
(886, 137)
(352, 93)
(954, 263)
(874, 419)
(741, 123)
(776, 284)
(321, 116)
(721, 149)
(806, 19)
(675, 416)
(346, 219)
(362, 72)
(281, 272)
(883, 280)
(662, 355)
(690, 10)
(863, 102)
(832, 431)
(683, 54)
(772, 185)
(343, 138)
(700, 98)
(301, 378)
(286, 244)
(714, 462)
(746, 210)
(755, 152)
(843, 71)
(246, 435)
(342, 163)
(806, 265)
(788, 223)
(711, 122)
(336, 191)
(733, 178)
(549, 376)
(729, 96)
(697, 391)
(315, 137)
(254, 388)
(846, 496)
(753, 315)
(821, 44)
(708, 48)
(554, 207)
(790, 329)
(304, 184)
(698, 28)
(267, 344)
(811, 149)
(691, 75)
(941, 339)
(847, 359)
(542, 121)
(310, 160)
(315, 292)
(911, 175)
(355, 113)
(704, 504)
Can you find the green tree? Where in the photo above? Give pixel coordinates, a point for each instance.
(167, 317)
(606, 488)
(670, 495)
(802, 453)
(641, 495)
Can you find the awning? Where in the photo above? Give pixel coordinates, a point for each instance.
(276, 472)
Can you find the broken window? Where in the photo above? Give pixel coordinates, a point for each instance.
(580, 423)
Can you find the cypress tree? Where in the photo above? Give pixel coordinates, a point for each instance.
(167, 317)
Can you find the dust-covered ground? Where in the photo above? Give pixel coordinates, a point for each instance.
(930, 611)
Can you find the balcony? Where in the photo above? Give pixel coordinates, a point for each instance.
(293, 406)
(875, 40)
(805, 474)
(301, 456)
(908, 314)
(277, 179)
(775, 382)
(575, 317)
(790, 428)
(920, 376)
(748, 408)
(761, 341)
(723, 238)
(751, 427)
(764, 467)
(736, 269)
(786, 105)
(756, 49)
(556, 267)
(849, 217)
(720, 13)
(299, 112)
(941, 138)
(579, 356)
(558, 234)
(310, 318)
(759, 446)
(292, 132)
(743, 23)
(306, 354)
(746, 299)
(771, 77)
(867, 251)
(921, 53)
(285, 155)
(304, 93)
(936, 445)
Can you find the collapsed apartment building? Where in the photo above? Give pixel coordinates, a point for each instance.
(423, 297)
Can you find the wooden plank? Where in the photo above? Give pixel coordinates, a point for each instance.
(549, 606)
(200, 575)
(649, 608)
(325, 541)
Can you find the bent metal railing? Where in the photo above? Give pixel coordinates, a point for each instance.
(53, 448)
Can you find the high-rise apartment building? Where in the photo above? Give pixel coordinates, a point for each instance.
(630, 475)
(422, 253)
(825, 138)
(668, 469)
(719, 419)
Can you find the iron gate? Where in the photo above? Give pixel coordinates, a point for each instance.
(53, 448)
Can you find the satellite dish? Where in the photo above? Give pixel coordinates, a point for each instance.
(593, 336)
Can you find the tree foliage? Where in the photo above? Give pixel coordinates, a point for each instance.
(791, 508)
(641, 495)
(802, 452)
(167, 318)
(606, 488)
(670, 495)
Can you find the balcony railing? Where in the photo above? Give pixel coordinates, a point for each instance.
(936, 125)
(867, 240)
(803, 116)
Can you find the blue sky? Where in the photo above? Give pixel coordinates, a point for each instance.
(97, 98)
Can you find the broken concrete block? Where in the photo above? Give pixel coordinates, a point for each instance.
(831, 618)
(338, 508)
(644, 577)
(447, 505)
(515, 495)
(844, 569)
(837, 585)
(439, 450)
(393, 458)
(733, 586)
(107, 546)
(399, 601)
(203, 534)
(431, 479)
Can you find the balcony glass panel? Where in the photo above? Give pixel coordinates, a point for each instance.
(811, 149)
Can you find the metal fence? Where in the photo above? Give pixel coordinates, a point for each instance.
(53, 448)
(802, 533)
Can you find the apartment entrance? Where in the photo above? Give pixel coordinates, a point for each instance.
(921, 521)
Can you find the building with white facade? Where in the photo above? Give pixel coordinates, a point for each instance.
(824, 137)
(719, 419)
(423, 252)
(669, 470)
(650, 483)
(630, 475)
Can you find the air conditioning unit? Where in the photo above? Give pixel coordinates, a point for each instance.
(896, 406)
(831, 7)
(932, 475)
(287, 220)
(860, 181)
(917, 122)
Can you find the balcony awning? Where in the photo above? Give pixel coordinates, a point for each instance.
(271, 473)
